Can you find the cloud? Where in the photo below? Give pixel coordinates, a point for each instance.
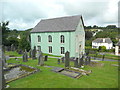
(24, 14)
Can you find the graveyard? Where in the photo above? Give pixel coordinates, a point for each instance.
(56, 72)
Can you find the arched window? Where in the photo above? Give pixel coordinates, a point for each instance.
(39, 38)
(62, 50)
(49, 38)
(62, 39)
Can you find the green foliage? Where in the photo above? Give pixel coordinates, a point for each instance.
(24, 44)
(102, 48)
(12, 40)
(88, 35)
(88, 43)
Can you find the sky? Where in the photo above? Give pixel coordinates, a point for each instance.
(25, 14)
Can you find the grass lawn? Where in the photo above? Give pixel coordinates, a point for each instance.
(12, 53)
(101, 77)
(109, 56)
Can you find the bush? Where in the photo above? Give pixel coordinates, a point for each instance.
(102, 48)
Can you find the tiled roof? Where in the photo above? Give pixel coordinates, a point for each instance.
(102, 40)
(68, 23)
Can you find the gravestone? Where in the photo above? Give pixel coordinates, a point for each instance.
(7, 48)
(67, 59)
(46, 58)
(20, 51)
(86, 60)
(40, 60)
(38, 53)
(81, 62)
(76, 63)
(12, 47)
(89, 60)
(58, 60)
(63, 58)
(103, 57)
(34, 53)
(30, 53)
(25, 56)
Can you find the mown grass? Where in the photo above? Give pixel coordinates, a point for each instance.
(108, 56)
(101, 77)
(12, 53)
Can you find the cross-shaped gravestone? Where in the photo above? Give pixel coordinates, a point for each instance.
(58, 60)
(25, 56)
(67, 59)
(46, 58)
(76, 63)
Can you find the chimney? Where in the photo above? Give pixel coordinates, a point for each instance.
(103, 39)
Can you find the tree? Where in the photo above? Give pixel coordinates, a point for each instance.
(24, 44)
(12, 40)
(102, 48)
(5, 31)
(88, 35)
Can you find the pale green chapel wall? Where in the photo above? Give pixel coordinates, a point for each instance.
(56, 44)
(79, 39)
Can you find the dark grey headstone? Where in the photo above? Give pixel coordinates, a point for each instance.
(34, 53)
(86, 60)
(63, 59)
(20, 51)
(25, 56)
(58, 60)
(67, 59)
(81, 62)
(103, 57)
(30, 53)
(12, 47)
(89, 59)
(46, 58)
(76, 63)
(40, 60)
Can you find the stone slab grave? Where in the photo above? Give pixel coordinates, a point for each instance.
(66, 72)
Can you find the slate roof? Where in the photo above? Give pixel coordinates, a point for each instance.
(100, 40)
(118, 44)
(68, 23)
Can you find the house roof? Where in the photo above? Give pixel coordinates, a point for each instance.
(68, 23)
(118, 44)
(102, 40)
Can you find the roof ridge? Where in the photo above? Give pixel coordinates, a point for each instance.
(61, 17)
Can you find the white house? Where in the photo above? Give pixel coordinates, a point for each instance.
(117, 48)
(102, 42)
